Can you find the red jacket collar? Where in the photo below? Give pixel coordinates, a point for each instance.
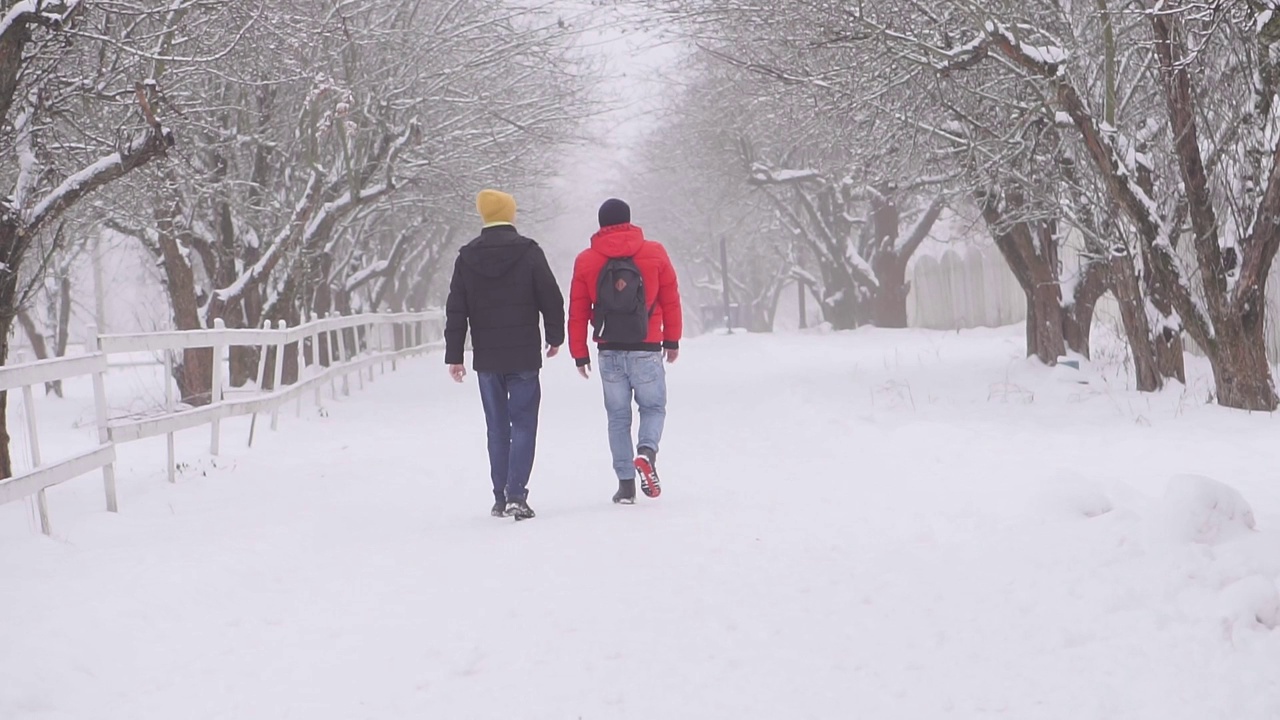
(618, 240)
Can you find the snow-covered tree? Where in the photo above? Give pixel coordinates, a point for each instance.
(327, 147)
(76, 116)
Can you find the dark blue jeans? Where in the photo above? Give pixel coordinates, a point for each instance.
(511, 402)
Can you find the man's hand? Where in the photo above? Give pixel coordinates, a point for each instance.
(585, 371)
(457, 372)
(553, 350)
(672, 355)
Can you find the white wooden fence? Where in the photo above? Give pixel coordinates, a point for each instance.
(380, 339)
(971, 286)
(964, 287)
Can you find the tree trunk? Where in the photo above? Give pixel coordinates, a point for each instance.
(6, 461)
(1170, 355)
(888, 302)
(843, 310)
(889, 299)
(1077, 316)
(1044, 323)
(194, 372)
(8, 298)
(1137, 329)
(1241, 373)
(1031, 251)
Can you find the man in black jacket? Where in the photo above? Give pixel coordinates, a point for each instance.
(501, 283)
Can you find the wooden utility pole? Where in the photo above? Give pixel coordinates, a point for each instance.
(804, 321)
(724, 283)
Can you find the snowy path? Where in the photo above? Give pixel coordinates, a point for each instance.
(865, 526)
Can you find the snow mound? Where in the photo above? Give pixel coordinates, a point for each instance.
(1070, 496)
(1202, 510)
(1250, 602)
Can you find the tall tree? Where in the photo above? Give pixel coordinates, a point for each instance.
(64, 135)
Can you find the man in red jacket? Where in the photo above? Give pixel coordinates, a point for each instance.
(625, 287)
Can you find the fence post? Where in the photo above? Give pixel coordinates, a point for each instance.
(33, 441)
(381, 338)
(315, 352)
(169, 408)
(302, 366)
(372, 344)
(262, 360)
(100, 412)
(343, 358)
(333, 345)
(397, 340)
(278, 377)
(215, 393)
(358, 332)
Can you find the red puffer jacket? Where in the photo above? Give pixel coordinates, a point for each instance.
(662, 292)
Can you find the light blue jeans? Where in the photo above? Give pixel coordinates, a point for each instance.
(626, 375)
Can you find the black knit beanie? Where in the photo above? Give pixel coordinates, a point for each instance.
(614, 212)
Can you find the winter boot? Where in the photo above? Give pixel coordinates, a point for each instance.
(647, 467)
(520, 510)
(499, 505)
(626, 494)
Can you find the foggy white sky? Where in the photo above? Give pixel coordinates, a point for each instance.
(637, 64)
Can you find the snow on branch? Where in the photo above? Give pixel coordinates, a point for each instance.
(279, 245)
(364, 275)
(863, 267)
(309, 222)
(53, 15)
(331, 212)
(1046, 61)
(762, 174)
(1113, 154)
(146, 146)
(908, 243)
(20, 12)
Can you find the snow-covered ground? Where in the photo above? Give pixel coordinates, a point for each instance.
(864, 525)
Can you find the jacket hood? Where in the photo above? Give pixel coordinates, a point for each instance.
(496, 251)
(617, 241)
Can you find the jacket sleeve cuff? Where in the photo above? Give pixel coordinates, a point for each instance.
(671, 345)
(583, 361)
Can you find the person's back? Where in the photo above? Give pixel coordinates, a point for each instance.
(631, 340)
(501, 284)
(661, 296)
(507, 286)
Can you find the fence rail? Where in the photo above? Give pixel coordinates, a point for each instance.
(355, 344)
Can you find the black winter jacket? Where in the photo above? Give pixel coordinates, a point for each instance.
(501, 283)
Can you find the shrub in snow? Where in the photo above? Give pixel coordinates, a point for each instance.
(1203, 510)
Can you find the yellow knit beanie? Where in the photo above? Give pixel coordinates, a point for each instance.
(496, 207)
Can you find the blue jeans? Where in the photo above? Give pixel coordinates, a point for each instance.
(511, 402)
(627, 375)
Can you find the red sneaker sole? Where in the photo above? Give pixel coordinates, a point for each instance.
(648, 479)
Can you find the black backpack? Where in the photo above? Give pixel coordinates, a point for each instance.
(620, 314)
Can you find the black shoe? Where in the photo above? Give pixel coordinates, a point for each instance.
(626, 494)
(499, 509)
(520, 510)
(647, 467)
